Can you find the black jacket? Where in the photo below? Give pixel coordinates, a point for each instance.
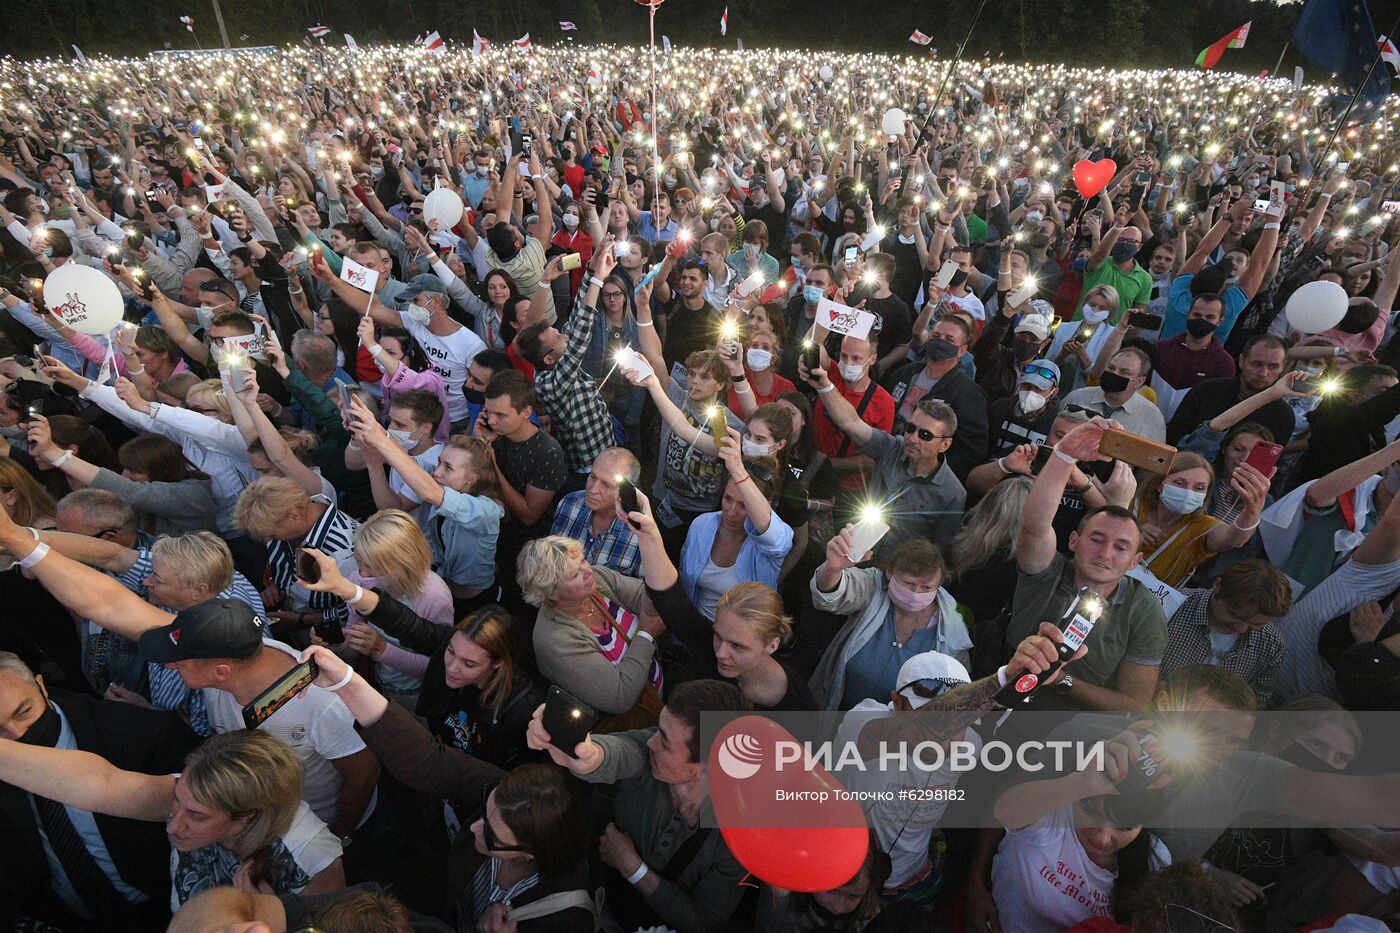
(969, 403)
(1345, 430)
(1214, 396)
(132, 738)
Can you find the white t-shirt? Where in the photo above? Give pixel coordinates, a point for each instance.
(315, 723)
(902, 826)
(303, 852)
(428, 460)
(449, 355)
(1044, 882)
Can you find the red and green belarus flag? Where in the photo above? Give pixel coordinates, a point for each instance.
(1231, 40)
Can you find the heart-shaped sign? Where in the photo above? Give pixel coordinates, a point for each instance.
(1092, 177)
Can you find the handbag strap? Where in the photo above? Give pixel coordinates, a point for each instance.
(552, 904)
(860, 412)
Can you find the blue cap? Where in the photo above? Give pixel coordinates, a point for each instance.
(1043, 374)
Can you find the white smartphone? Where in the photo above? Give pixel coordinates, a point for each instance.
(946, 273)
(865, 535)
(750, 285)
(630, 360)
(620, 250)
(1020, 296)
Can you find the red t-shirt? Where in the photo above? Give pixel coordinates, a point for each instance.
(780, 385)
(878, 414)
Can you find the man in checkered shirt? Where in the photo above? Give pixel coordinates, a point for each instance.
(1232, 625)
(581, 419)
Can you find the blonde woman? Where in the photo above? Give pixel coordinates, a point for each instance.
(1083, 336)
(983, 567)
(1178, 533)
(392, 554)
(234, 815)
(595, 635)
(749, 627)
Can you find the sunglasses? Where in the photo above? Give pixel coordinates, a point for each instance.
(415, 210)
(930, 687)
(1043, 371)
(923, 434)
(487, 835)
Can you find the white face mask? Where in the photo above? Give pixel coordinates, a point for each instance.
(852, 372)
(1028, 403)
(418, 314)
(750, 251)
(205, 315)
(482, 171)
(1094, 317)
(750, 449)
(571, 221)
(403, 438)
(758, 360)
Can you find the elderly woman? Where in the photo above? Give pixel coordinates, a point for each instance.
(891, 616)
(595, 635)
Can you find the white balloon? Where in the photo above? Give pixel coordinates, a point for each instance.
(825, 72)
(893, 122)
(443, 205)
(83, 298)
(1316, 306)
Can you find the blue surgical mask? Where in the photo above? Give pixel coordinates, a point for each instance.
(811, 294)
(1181, 500)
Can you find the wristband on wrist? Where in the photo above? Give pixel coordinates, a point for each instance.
(40, 551)
(375, 349)
(1271, 226)
(1064, 456)
(738, 377)
(639, 874)
(827, 388)
(742, 389)
(349, 673)
(1243, 527)
(359, 595)
(645, 324)
(1002, 466)
(135, 371)
(1338, 352)
(63, 458)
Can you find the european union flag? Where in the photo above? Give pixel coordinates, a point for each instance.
(1338, 35)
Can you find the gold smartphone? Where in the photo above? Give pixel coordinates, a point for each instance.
(1136, 450)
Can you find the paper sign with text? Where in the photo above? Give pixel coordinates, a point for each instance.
(842, 319)
(362, 277)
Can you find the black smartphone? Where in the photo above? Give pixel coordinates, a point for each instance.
(627, 495)
(1145, 321)
(1042, 457)
(345, 397)
(1101, 470)
(811, 355)
(329, 631)
(1085, 332)
(525, 140)
(307, 568)
(280, 693)
(850, 257)
(1308, 384)
(567, 719)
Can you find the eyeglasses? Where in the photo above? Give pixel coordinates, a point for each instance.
(1182, 919)
(610, 295)
(923, 434)
(487, 835)
(1043, 371)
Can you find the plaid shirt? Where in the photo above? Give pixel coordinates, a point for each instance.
(1255, 656)
(581, 419)
(616, 548)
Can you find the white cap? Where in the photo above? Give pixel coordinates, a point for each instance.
(1034, 324)
(931, 665)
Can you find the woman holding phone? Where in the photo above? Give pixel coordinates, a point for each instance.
(234, 815)
(528, 837)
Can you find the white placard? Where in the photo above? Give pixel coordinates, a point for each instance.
(362, 277)
(842, 319)
(1170, 597)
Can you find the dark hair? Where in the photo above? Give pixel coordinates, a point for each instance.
(528, 343)
(501, 239)
(1262, 340)
(779, 421)
(875, 869)
(694, 697)
(495, 360)
(542, 806)
(158, 457)
(918, 556)
(1112, 511)
(510, 285)
(1215, 682)
(512, 383)
(801, 449)
(345, 323)
(1244, 427)
(413, 356)
(425, 406)
(92, 444)
(232, 318)
(1135, 900)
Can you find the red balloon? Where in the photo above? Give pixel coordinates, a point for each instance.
(785, 818)
(1092, 177)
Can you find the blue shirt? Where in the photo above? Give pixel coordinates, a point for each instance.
(474, 186)
(646, 229)
(614, 548)
(1179, 301)
(760, 556)
(871, 673)
(464, 532)
(86, 825)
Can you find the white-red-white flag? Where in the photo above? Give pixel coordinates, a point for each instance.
(187, 20)
(433, 43)
(319, 31)
(479, 43)
(1389, 52)
(724, 22)
(919, 38)
(566, 25)
(523, 42)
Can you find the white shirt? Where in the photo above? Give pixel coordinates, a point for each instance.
(902, 826)
(449, 355)
(1044, 882)
(315, 723)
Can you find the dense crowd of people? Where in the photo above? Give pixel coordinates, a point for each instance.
(597, 438)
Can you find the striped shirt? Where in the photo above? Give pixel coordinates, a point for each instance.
(331, 535)
(615, 547)
(484, 891)
(618, 638)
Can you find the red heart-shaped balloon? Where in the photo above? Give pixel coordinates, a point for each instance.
(1092, 177)
(783, 815)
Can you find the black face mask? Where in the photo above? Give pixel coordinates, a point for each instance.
(936, 350)
(1112, 383)
(1025, 350)
(45, 729)
(959, 277)
(1199, 327)
(475, 396)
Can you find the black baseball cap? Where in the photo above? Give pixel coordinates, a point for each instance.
(215, 628)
